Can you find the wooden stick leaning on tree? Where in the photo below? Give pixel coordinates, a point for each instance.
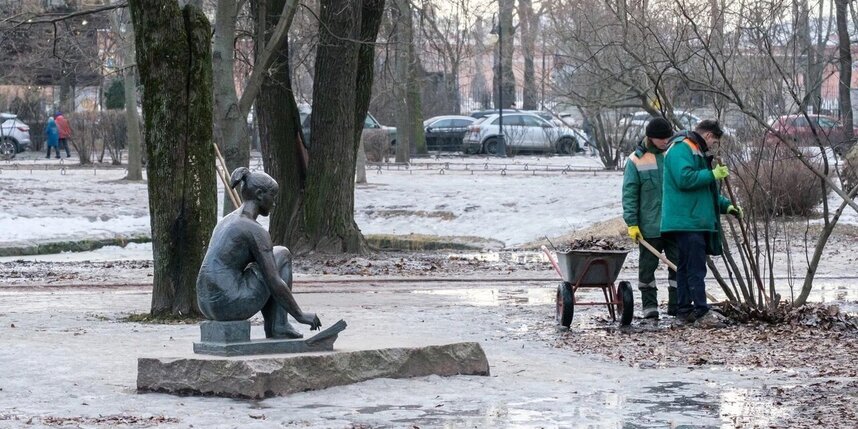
(220, 168)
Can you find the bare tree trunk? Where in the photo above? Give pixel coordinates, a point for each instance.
(283, 153)
(132, 124)
(401, 48)
(230, 122)
(507, 85)
(370, 22)
(417, 137)
(845, 51)
(529, 26)
(174, 59)
(67, 92)
(329, 201)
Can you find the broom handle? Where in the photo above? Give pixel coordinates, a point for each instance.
(667, 262)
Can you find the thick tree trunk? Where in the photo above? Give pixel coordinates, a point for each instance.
(370, 22)
(230, 125)
(529, 26)
(400, 90)
(417, 135)
(329, 201)
(409, 128)
(174, 59)
(283, 154)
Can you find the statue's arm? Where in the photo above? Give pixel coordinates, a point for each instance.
(262, 249)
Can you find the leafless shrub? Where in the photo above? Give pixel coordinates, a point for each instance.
(83, 134)
(111, 127)
(773, 182)
(377, 146)
(98, 133)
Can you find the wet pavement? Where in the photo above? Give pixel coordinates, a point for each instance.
(68, 354)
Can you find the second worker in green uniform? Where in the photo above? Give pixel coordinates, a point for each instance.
(642, 188)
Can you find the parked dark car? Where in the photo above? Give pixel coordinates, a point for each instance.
(445, 133)
(797, 127)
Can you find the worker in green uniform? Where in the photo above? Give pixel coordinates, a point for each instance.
(642, 187)
(692, 206)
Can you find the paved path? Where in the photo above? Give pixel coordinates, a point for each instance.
(68, 357)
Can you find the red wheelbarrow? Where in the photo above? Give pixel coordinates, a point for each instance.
(591, 269)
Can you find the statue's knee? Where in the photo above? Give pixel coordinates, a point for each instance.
(282, 255)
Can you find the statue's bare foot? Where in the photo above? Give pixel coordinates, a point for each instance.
(287, 331)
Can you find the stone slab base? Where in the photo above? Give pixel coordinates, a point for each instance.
(282, 375)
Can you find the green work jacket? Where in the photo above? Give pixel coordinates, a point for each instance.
(691, 199)
(642, 190)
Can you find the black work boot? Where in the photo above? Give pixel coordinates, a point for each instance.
(649, 302)
(672, 305)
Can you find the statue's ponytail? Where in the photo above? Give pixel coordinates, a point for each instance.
(239, 175)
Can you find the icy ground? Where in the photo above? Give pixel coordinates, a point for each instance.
(69, 360)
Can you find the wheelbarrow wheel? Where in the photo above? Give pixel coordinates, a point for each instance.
(628, 304)
(565, 305)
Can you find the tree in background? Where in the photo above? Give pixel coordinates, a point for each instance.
(114, 96)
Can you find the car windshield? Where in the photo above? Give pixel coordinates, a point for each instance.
(480, 121)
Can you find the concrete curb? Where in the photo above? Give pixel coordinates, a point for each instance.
(411, 242)
(82, 245)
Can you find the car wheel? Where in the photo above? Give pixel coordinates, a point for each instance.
(491, 146)
(393, 147)
(567, 146)
(8, 149)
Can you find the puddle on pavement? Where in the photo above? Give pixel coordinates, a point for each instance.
(509, 257)
(495, 296)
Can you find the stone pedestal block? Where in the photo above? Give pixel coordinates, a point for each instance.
(233, 339)
(282, 375)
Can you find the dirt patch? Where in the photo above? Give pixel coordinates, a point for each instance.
(813, 349)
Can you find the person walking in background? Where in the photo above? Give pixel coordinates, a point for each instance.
(691, 205)
(642, 212)
(52, 137)
(65, 132)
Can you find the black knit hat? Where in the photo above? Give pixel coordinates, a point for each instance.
(659, 128)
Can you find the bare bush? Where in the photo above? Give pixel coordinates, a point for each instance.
(98, 133)
(111, 127)
(377, 146)
(774, 182)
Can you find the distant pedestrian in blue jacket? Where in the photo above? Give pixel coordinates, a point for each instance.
(52, 136)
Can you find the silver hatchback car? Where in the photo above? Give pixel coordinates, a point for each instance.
(14, 136)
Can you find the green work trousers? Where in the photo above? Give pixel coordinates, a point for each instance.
(646, 272)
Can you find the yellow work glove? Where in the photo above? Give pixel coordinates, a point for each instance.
(635, 233)
(735, 211)
(720, 172)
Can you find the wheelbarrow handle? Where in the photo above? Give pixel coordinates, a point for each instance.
(552, 260)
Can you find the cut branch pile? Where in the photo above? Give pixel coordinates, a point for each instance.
(827, 317)
(592, 243)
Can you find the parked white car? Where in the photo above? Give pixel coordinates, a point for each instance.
(634, 125)
(523, 132)
(14, 136)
